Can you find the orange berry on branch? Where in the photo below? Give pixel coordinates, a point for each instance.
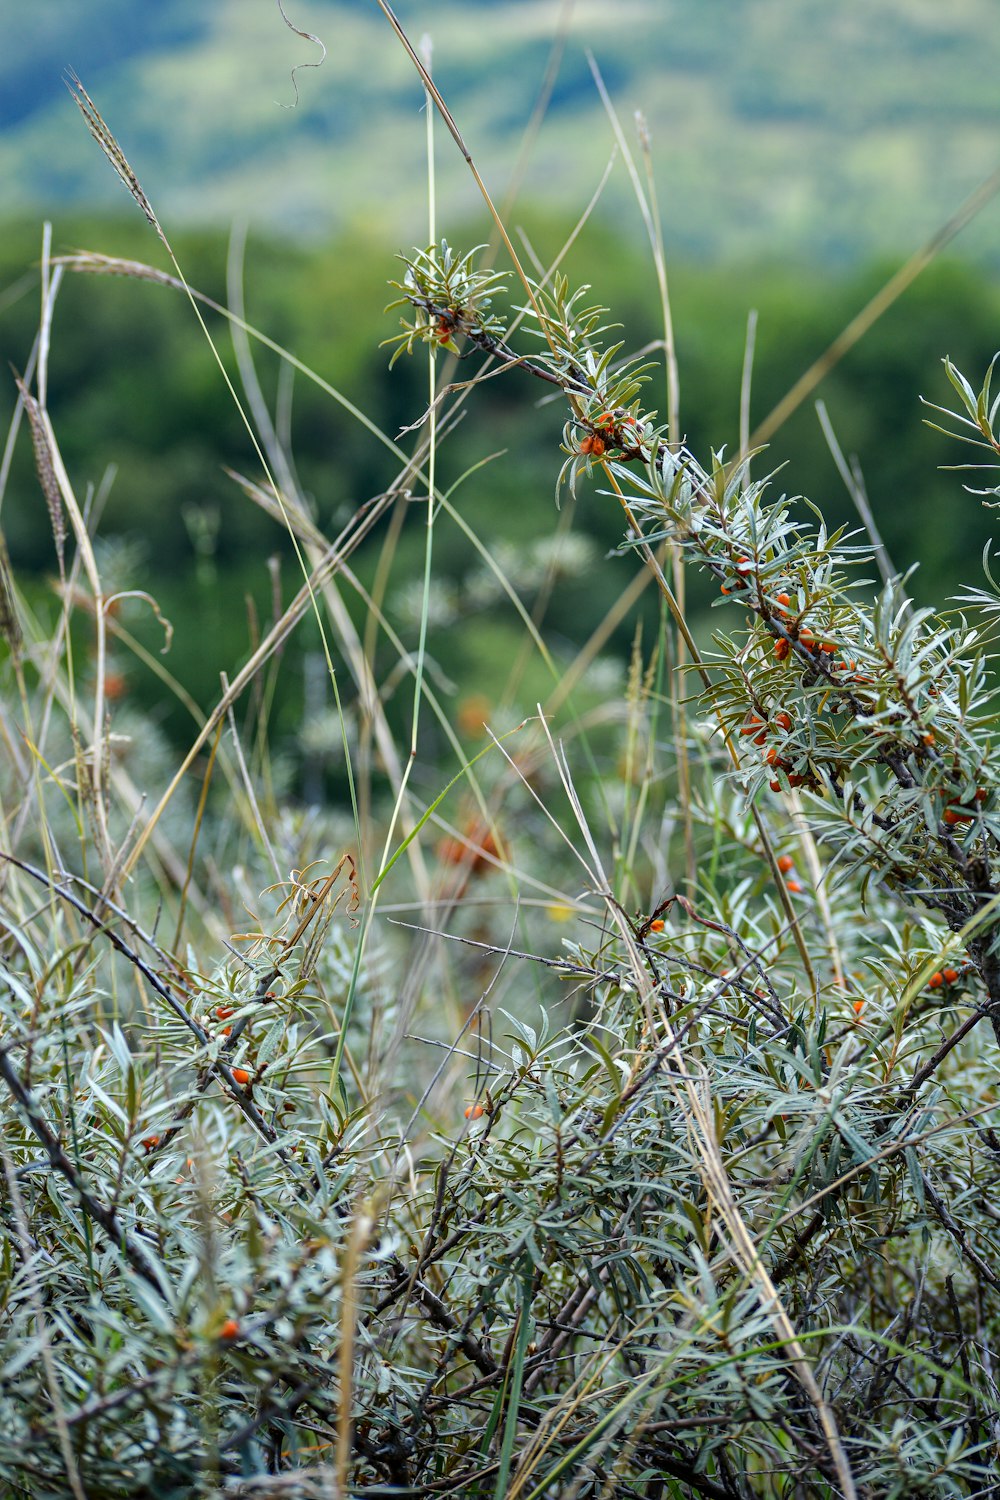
(786, 864)
(474, 1112)
(783, 720)
(241, 1076)
(223, 1012)
(592, 445)
(149, 1142)
(230, 1329)
(782, 648)
(794, 886)
(949, 975)
(743, 565)
(657, 924)
(935, 982)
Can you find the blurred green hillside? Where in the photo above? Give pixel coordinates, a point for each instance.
(791, 128)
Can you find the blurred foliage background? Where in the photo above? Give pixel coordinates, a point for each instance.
(801, 152)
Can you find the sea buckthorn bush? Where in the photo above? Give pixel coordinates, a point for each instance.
(615, 1114)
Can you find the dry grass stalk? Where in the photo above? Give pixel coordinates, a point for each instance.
(114, 153)
(45, 469)
(10, 625)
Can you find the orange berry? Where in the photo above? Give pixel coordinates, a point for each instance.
(935, 982)
(474, 1112)
(929, 737)
(473, 713)
(451, 851)
(828, 646)
(149, 1142)
(476, 853)
(953, 816)
(783, 601)
(859, 1006)
(223, 1012)
(782, 648)
(230, 1329)
(775, 786)
(743, 565)
(753, 725)
(807, 640)
(241, 1075)
(592, 445)
(226, 1031)
(786, 864)
(982, 795)
(783, 720)
(794, 886)
(949, 975)
(657, 924)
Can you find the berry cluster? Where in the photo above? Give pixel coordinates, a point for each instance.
(942, 978)
(615, 432)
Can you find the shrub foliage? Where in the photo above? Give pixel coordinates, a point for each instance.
(703, 1207)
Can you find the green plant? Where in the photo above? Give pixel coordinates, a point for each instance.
(696, 1201)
